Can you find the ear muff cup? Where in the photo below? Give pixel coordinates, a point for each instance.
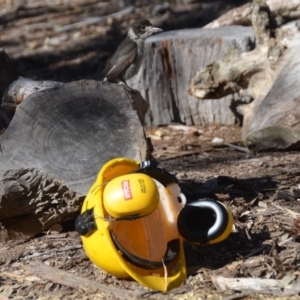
(203, 221)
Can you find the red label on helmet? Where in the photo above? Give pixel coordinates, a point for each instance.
(126, 190)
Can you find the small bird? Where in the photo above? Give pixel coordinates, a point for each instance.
(127, 60)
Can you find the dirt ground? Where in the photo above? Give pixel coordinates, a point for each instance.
(262, 189)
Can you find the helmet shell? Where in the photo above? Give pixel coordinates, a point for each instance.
(134, 234)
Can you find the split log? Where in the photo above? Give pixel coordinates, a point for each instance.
(171, 60)
(70, 131)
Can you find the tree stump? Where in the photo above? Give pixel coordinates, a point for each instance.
(172, 59)
(7, 75)
(55, 146)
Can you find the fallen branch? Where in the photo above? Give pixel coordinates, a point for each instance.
(258, 285)
(55, 275)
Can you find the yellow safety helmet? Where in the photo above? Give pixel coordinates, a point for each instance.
(128, 224)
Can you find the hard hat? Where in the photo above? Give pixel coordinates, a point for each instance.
(137, 239)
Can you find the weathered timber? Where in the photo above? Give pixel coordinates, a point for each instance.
(71, 130)
(172, 59)
(32, 201)
(62, 277)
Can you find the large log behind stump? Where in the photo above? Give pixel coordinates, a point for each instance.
(274, 122)
(172, 60)
(70, 131)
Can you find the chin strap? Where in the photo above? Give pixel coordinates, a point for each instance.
(149, 167)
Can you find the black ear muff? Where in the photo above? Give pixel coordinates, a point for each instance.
(85, 223)
(204, 221)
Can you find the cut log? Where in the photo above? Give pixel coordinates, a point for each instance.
(172, 59)
(70, 131)
(63, 277)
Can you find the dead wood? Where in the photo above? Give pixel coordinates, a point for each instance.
(55, 146)
(15, 10)
(55, 275)
(95, 20)
(234, 73)
(271, 120)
